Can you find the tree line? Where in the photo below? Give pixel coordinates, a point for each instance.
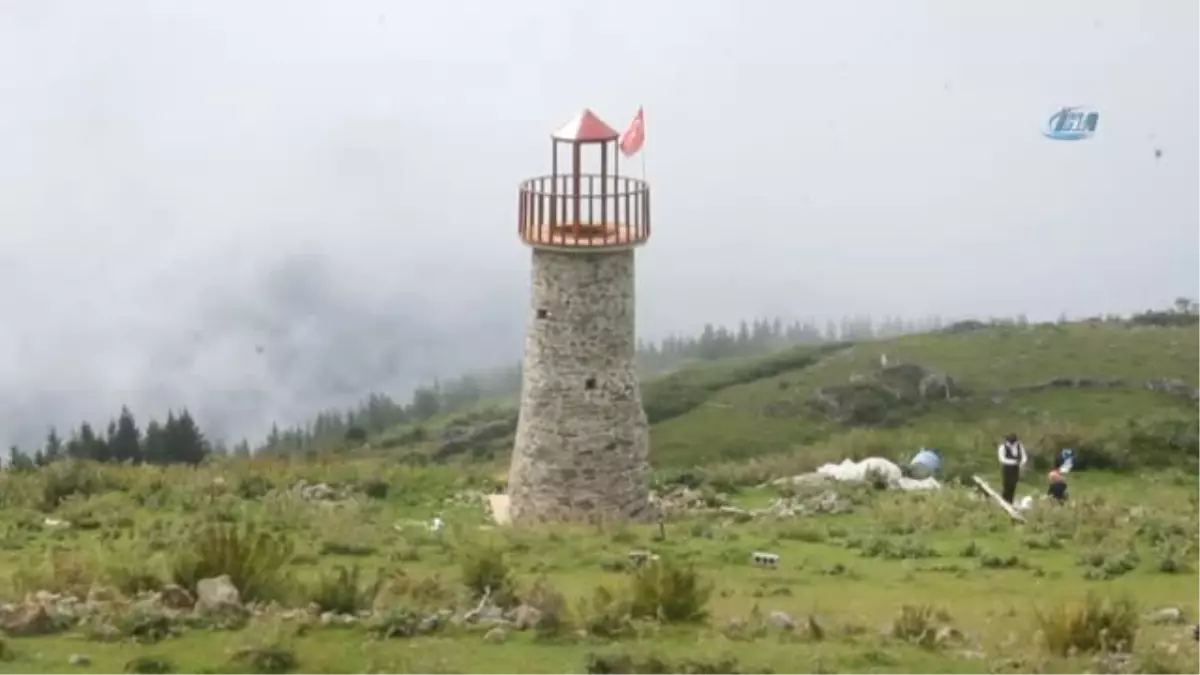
(379, 412)
(179, 440)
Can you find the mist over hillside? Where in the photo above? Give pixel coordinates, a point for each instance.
(259, 213)
(289, 343)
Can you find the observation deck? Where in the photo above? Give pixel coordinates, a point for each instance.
(579, 210)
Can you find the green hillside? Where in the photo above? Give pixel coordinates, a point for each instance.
(113, 567)
(1123, 394)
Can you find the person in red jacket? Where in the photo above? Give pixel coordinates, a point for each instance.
(1058, 483)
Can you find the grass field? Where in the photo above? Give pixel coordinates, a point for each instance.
(899, 582)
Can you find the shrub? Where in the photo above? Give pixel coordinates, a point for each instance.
(376, 488)
(253, 559)
(621, 663)
(340, 591)
(1093, 625)
(132, 576)
(484, 571)
(606, 615)
(65, 479)
(397, 623)
(1101, 566)
(253, 486)
(347, 548)
(1172, 558)
(552, 606)
(917, 625)
(268, 660)
(59, 572)
(424, 594)
(148, 665)
(668, 592)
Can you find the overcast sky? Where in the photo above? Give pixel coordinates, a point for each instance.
(335, 181)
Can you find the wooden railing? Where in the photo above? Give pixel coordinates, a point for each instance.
(588, 210)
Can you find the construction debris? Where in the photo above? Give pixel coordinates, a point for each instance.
(1008, 508)
(765, 559)
(873, 469)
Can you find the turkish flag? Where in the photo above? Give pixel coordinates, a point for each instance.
(635, 135)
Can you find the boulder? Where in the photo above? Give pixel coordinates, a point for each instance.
(30, 619)
(218, 595)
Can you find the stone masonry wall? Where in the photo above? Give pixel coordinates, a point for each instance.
(582, 441)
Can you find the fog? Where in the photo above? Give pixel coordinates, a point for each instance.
(259, 209)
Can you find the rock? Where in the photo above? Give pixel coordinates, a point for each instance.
(495, 636)
(936, 386)
(430, 624)
(99, 595)
(103, 631)
(335, 619)
(217, 595)
(526, 617)
(79, 660)
(946, 635)
(30, 619)
(173, 596)
(735, 625)
(1165, 615)
(781, 620)
(293, 614)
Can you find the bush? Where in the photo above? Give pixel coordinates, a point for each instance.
(668, 592)
(253, 559)
(253, 486)
(376, 488)
(1093, 625)
(551, 604)
(621, 663)
(268, 660)
(606, 615)
(60, 572)
(484, 571)
(340, 591)
(424, 594)
(66, 479)
(917, 625)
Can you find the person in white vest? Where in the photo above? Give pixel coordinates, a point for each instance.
(1012, 456)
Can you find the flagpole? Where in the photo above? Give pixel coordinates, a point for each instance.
(642, 110)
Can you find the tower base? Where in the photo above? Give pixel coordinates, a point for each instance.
(582, 442)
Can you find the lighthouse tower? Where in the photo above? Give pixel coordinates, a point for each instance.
(582, 440)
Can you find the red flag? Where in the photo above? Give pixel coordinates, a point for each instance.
(635, 135)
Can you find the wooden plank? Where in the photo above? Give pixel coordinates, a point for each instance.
(1008, 508)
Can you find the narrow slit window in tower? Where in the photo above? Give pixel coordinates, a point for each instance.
(589, 383)
(543, 313)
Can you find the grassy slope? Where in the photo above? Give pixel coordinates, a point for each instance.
(704, 414)
(732, 424)
(996, 608)
(740, 409)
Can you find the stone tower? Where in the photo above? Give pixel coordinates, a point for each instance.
(582, 440)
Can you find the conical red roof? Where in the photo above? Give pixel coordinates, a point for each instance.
(585, 128)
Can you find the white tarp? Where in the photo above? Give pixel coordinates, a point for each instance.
(850, 470)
